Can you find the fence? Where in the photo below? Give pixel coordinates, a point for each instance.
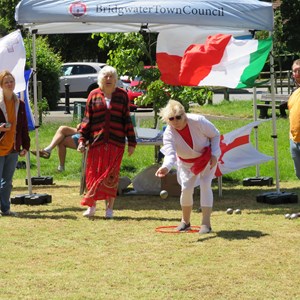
(283, 81)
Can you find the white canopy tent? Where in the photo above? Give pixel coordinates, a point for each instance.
(62, 16)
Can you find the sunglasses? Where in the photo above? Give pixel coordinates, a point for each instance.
(176, 117)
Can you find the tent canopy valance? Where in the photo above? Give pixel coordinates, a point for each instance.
(63, 16)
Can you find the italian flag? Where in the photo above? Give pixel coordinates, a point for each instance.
(220, 60)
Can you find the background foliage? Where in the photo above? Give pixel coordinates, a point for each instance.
(48, 65)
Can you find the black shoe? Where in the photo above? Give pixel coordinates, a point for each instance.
(9, 213)
(183, 227)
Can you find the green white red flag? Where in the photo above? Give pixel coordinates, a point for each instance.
(219, 60)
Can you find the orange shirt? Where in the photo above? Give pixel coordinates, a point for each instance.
(7, 142)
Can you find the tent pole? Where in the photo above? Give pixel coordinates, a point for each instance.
(28, 174)
(27, 160)
(36, 111)
(255, 128)
(274, 135)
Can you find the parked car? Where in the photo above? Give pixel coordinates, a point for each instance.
(81, 76)
(133, 86)
(133, 91)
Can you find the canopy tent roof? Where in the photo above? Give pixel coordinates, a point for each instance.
(62, 16)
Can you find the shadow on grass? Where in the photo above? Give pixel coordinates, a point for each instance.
(126, 218)
(235, 235)
(54, 214)
(244, 199)
(42, 187)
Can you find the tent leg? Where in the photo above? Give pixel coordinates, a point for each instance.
(36, 111)
(274, 135)
(275, 197)
(28, 174)
(220, 186)
(38, 179)
(257, 180)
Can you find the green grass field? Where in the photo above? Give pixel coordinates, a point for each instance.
(52, 252)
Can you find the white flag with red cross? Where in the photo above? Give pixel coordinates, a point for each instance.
(237, 152)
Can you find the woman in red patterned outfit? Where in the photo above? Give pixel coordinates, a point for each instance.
(105, 127)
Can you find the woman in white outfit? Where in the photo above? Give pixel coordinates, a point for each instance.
(192, 143)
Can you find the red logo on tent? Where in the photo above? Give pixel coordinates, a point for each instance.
(78, 9)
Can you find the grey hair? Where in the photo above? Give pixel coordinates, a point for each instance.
(172, 109)
(107, 70)
(296, 63)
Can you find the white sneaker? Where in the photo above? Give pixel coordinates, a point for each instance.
(204, 229)
(109, 213)
(90, 212)
(60, 168)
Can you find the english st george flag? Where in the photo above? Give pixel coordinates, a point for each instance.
(237, 152)
(214, 60)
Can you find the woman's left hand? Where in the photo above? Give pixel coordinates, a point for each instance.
(23, 152)
(213, 161)
(130, 150)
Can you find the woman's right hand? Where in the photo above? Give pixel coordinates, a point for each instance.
(162, 172)
(81, 147)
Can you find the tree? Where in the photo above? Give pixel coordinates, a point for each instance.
(127, 52)
(283, 54)
(7, 16)
(48, 69)
(290, 11)
(77, 47)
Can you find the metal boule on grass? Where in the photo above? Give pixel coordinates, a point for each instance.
(229, 211)
(237, 211)
(287, 216)
(163, 194)
(294, 216)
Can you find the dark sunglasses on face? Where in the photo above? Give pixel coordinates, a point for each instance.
(176, 117)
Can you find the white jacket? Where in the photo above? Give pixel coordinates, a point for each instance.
(203, 134)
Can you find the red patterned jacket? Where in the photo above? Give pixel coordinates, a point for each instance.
(107, 125)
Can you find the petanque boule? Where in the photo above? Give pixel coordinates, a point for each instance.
(163, 194)
(229, 211)
(287, 216)
(293, 216)
(238, 211)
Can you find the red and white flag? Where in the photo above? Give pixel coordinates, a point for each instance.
(13, 58)
(190, 57)
(237, 152)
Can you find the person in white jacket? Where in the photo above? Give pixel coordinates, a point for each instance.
(192, 144)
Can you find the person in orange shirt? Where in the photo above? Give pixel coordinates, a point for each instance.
(14, 137)
(294, 117)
